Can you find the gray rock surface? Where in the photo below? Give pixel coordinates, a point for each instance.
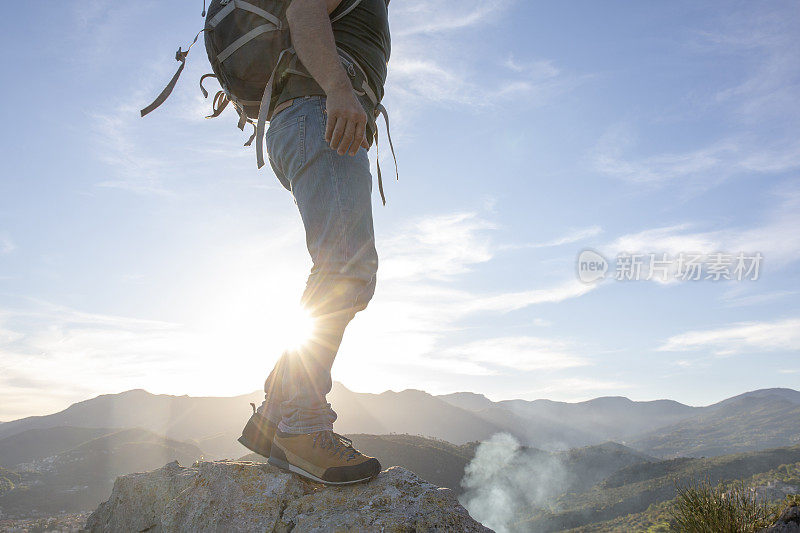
(788, 522)
(242, 496)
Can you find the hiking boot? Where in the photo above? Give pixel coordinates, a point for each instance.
(325, 457)
(258, 433)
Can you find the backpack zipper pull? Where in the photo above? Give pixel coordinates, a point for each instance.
(203, 14)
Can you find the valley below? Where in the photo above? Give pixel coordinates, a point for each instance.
(609, 464)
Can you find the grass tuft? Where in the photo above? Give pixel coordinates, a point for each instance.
(703, 508)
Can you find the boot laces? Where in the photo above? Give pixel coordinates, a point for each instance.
(336, 444)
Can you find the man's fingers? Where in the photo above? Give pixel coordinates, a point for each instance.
(358, 138)
(364, 142)
(329, 128)
(347, 122)
(338, 130)
(347, 138)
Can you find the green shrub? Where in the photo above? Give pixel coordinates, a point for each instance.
(791, 500)
(6, 485)
(704, 508)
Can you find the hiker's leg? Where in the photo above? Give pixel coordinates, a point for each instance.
(333, 195)
(273, 396)
(270, 408)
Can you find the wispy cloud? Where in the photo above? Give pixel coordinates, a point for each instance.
(756, 337)
(436, 61)
(513, 301)
(437, 16)
(141, 154)
(420, 303)
(768, 37)
(518, 353)
(6, 244)
(705, 167)
(775, 237)
(419, 78)
(571, 237)
(133, 168)
(761, 108)
(50, 352)
(738, 297)
(437, 247)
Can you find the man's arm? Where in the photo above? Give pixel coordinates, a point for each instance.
(312, 37)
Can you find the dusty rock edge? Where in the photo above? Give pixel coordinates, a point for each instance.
(174, 497)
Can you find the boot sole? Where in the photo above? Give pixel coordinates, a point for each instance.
(264, 452)
(283, 465)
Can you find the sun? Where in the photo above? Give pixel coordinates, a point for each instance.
(294, 328)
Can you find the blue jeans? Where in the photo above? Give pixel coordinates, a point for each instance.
(333, 195)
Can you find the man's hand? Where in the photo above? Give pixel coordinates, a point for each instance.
(312, 36)
(347, 122)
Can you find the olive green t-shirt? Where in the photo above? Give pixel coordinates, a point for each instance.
(364, 34)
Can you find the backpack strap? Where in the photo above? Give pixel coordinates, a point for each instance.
(253, 136)
(346, 11)
(246, 6)
(180, 56)
(357, 75)
(265, 111)
(203, 89)
(379, 109)
(221, 101)
(244, 39)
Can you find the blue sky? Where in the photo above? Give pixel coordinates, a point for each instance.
(151, 253)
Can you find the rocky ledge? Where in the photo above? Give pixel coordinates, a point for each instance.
(788, 521)
(241, 496)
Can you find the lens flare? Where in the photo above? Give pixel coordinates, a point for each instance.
(295, 328)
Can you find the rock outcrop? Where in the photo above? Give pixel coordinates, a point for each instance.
(241, 496)
(788, 522)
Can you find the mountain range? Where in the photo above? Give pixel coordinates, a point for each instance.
(66, 462)
(662, 428)
(78, 478)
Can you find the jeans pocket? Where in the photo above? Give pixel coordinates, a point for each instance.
(286, 145)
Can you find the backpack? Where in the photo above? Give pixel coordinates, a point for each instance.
(251, 53)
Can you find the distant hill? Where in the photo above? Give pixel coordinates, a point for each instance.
(634, 488)
(664, 428)
(608, 418)
(34, 444)
(411, 411)
(747, 422)
(80, 478)
(467, 400)
(754, 420)
(538, 431)
(211, 423)
(592, 464)
(772, 485)
(790, 395)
